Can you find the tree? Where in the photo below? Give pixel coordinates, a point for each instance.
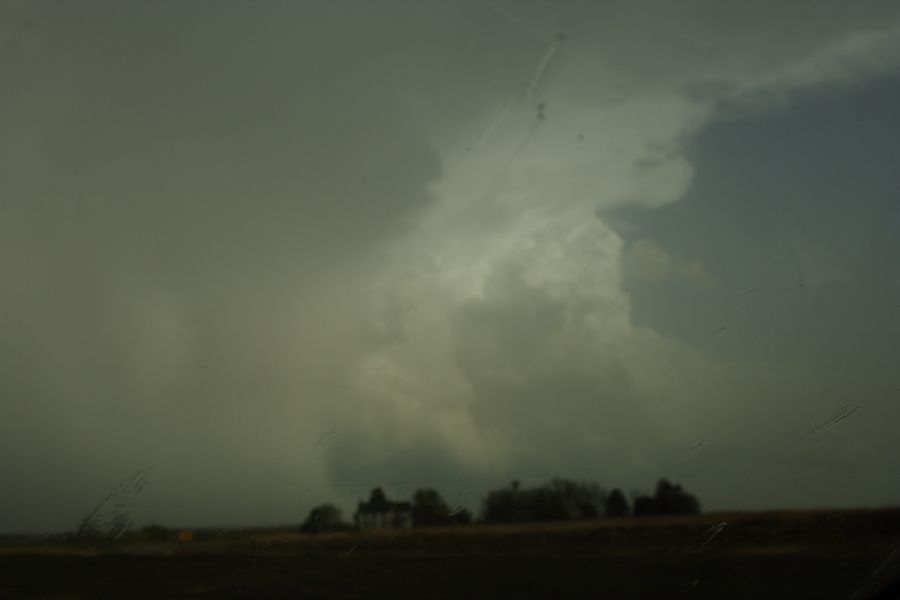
(616, 505)
(669, 499)
(378, 499)
(672, 500)
(325, 517)
(429, 509)
(558, 500)
(503, 505)
(582, 500)
(645, 505)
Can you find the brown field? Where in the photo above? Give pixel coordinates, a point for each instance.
(796, 554)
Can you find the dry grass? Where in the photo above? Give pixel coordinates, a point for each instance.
(776, 554)
(757, 533)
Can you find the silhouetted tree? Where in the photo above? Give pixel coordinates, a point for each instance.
(325, 517)
(544, 504)
(672, 500)
(669, 499)
(579, 500)
(428, 508)
(645, 505)
(616, 505)
(501, 506)
(561, 499)
(378, 498)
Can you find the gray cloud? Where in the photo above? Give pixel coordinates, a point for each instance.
(645, 262)
(225, 231)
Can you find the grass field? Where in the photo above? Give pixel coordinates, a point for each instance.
(808, 554)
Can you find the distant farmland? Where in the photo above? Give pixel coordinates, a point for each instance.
(805, 554)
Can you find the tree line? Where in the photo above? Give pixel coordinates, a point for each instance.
(557, 500)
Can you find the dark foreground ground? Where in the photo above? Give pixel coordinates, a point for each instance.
(768, 555)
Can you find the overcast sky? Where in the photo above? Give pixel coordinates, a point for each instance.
(279, 253)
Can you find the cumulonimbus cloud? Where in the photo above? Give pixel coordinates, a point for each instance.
(507, 337)
(280, 224)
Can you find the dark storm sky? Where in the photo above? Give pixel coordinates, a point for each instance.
(460, 247)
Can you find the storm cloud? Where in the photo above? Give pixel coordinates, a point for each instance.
(226, 231)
